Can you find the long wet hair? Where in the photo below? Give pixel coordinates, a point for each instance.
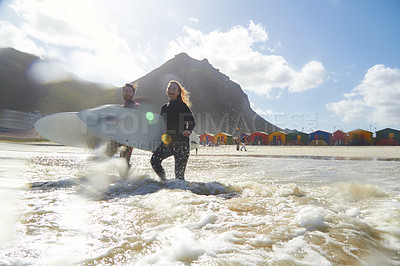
(184, 95)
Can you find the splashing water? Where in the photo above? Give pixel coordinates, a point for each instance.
(63, 206)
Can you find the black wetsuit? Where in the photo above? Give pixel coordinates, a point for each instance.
(130, 104)
(178, 119)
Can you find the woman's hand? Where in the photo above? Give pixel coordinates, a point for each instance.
(186, 133)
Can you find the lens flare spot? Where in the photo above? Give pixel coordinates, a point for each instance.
(150, 116)
(166, 139)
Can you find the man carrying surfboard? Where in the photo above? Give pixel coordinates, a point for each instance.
(180, 124)
(128, 91)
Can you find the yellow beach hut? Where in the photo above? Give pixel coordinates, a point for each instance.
(359, 137)
(223, 138)
(277, 138)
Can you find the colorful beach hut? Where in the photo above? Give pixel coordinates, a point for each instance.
(297, 138)
(339, 138)
(320, 138)
(223, 138)
(388, 137)
(359, 137)
(259, 138)
(277, 138)
(207, 139)
(244, 137)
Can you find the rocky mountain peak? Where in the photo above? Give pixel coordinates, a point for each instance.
(218, 103)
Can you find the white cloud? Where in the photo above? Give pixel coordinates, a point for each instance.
(234, 53)
(311, 76)
(11, 36)
(267, 114)
(375, 100)
(102, 42)
(80, 35)
(194, 20)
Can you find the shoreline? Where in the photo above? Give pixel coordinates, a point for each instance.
(314, 152)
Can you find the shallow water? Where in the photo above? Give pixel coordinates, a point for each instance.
(66, 206)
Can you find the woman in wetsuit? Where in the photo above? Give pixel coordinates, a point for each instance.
(180, 124)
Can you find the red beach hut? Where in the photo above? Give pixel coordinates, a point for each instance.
(339, 138)
(207, 139)
(259, 138)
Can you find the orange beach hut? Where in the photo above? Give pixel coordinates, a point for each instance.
(359, 137)
(223, 138)
(207, 138)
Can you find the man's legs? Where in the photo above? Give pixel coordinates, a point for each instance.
(127, 153)
(112, 148)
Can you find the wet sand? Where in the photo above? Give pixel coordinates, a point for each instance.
(336, 152)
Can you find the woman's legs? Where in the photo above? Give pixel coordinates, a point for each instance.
(181, 157)
(158, 156)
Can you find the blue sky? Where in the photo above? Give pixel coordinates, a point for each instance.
(305, 64)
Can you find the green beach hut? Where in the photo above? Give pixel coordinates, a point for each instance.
(388, 137)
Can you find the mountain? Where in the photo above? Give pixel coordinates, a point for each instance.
(218, 104)
(20, 92)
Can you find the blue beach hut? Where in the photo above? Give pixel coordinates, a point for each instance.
(320, 138)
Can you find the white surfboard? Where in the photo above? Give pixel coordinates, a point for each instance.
(138, 128)
(67, 129)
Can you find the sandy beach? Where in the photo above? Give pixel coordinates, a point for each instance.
(336, 152)
(327, 152)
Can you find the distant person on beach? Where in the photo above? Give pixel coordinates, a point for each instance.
(128, 91)
(243, 140)
(180, 124)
